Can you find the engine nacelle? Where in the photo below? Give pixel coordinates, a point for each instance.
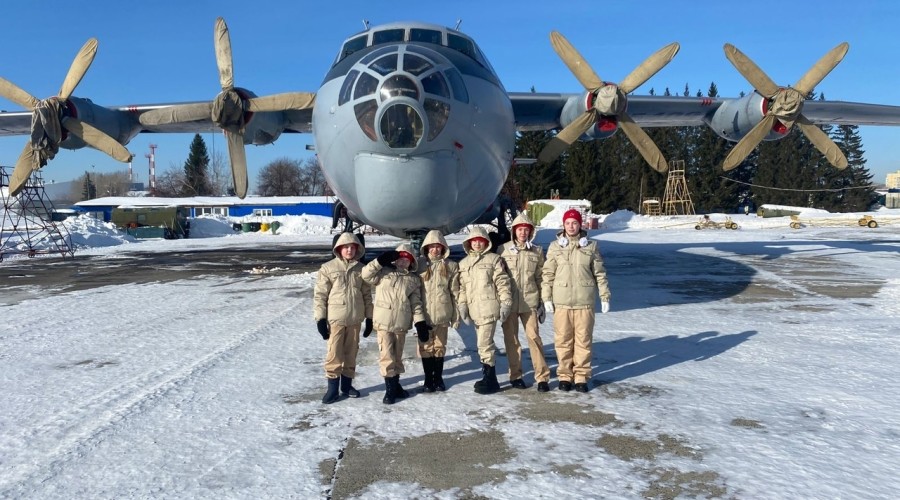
(735, 118)
(576, 106)
(261, 128)
(120, 126)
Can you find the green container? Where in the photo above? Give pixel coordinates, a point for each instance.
(245, 227)
(274, 226)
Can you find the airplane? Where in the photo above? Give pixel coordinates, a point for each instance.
(414, 131)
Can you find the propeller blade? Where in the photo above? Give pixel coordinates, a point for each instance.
(238, 163)
(648, 68)
(566, 137)
(281, 102)
(97, 139)
(15, 94)
(823, 143)
(748, 142)
(223, 55)
(821, 69)
(79, 67)
(179, 113)
(644, 144)
(24, 167)
(577, 64)
(751, 72)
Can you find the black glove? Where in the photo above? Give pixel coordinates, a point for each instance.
(422, 330)
(386, 258)
(368, 330)
(322, 325)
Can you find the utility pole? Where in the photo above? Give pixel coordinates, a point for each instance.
(151, 156)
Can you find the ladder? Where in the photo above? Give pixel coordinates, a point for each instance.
(677, 199)
(26, 221)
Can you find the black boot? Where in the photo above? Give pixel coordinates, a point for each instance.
(388, 391)
(439, 374)
(399, 391)
(481, 383)
(428, 368)
(331, 395)
(490, 384)
(346, 387)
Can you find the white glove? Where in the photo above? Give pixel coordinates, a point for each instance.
(541, 312)
(505, 309)
(604, 306)
(548, 306)
(464, 314)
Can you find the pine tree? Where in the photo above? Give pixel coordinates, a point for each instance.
(859, 194)
(88, 188)
(195, 170)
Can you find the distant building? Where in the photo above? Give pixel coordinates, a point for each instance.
(228, 206)
(893, 180)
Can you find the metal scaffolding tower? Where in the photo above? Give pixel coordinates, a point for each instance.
(677, 200)
(26, 221)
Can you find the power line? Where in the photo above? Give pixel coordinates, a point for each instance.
(833, 190)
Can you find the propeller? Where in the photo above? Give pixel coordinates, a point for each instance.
(785, 105)
(610, 101)
(229, 109)
(50, 121)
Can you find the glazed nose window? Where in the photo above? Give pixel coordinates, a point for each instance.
(397, 86)
(401, 126)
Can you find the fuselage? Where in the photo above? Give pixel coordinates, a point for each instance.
(413, 129)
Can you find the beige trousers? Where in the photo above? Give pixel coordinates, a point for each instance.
(535, 346)
(486, 347)
(436, 347)
(574, 340)
(390, 349)
(342, 347)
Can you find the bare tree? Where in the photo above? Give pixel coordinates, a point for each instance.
(312, 178)
(171, 182)
(282, 177)
(220, 174)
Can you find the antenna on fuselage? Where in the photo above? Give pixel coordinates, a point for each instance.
(366, 24)
(458, 22)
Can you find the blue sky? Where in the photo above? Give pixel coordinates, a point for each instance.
(162, 51)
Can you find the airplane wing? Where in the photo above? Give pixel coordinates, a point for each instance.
(543, 111)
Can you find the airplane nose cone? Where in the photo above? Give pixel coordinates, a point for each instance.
(391, 191)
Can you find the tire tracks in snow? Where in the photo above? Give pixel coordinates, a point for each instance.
(68, 435)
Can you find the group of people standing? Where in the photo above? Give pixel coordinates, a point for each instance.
(432, 293)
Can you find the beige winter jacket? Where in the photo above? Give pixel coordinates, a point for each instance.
(341, 296)
(525, 264)
(483, 281)
(398, 294)
(440, 282)
(573, 274)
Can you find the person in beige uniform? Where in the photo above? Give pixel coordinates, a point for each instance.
(440, 285)
(397, 307)
(573, 275)
(484, 298)
(525, 262)
(341, 301)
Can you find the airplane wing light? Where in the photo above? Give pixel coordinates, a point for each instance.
(609, 102)
(785, 106)
(52, 119)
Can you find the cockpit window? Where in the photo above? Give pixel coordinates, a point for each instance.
(438, 113)
(365, 86)
(365, 116)
(347, 87)
(425, 36)
(371, 56)
(387, 36)
(353, 45)
(415, 64)
(461, 44)
(385, 65)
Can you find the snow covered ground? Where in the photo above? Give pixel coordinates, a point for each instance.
(755, 363)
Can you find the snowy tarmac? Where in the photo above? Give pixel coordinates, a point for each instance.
(757, 363)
